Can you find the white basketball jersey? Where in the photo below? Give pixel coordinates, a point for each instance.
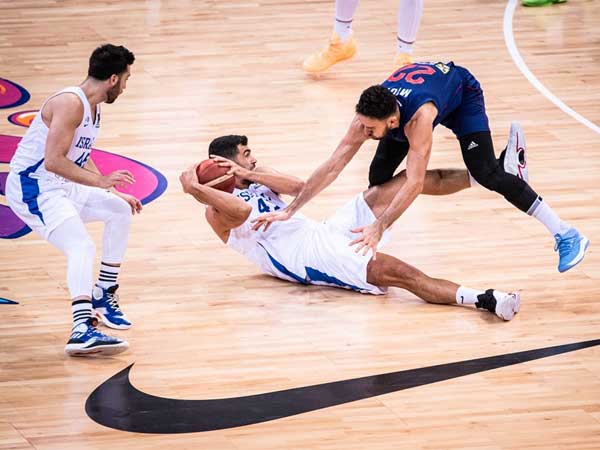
(278, 251)
(29, 157)
(302, 250)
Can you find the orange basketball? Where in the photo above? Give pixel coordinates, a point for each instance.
(210, 174)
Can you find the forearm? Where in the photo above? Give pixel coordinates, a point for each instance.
(277, 182)
(319, 180)
(67, 169)
(402, 200)
(223, 202)
(90, 165)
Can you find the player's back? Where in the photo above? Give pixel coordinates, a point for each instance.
(423, 82)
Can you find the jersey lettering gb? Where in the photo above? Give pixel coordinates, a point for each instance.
(28, 160)
(453, 90)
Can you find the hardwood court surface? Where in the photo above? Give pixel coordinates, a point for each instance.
(208, 325)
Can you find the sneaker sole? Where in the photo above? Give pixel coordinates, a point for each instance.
(109, 324)
(104, 350)
(521, 171)
(579, 256)
(515, 306)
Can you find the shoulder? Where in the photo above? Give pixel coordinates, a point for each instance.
(66, 107)
(427, 109)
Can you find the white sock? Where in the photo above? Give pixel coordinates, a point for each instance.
(108, 275)
(343, 30)
(82, 311)
(344, 12)
(549, 218)
(409, 19)
(467, 296)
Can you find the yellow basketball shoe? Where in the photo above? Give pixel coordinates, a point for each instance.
(335, 51)
(401, 60)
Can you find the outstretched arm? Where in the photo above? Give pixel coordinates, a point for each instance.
(224, 212)
(325, 174)
(419, 131)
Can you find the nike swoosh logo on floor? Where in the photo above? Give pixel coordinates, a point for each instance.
(116, 403)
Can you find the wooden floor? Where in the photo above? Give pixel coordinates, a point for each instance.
(208, 325)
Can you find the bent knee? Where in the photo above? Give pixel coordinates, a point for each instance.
(119, 210)
(85, 248)
(490, 178)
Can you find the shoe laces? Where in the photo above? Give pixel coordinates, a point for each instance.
(564, 244)
(112, 299)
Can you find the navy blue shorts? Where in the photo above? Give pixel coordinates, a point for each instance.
(470, 116)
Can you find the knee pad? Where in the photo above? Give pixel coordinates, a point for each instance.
(84, 250)
(513, 189)
(120, 210)
(491, 178)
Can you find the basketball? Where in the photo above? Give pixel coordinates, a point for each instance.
(210, 174)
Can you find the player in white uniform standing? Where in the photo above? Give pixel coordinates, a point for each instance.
(304, 251)
(54, 187)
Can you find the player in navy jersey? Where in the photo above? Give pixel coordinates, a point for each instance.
(401, 114)
(304, 251)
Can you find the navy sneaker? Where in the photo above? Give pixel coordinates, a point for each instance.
(105, 303)
(571, 247)
(86, 340)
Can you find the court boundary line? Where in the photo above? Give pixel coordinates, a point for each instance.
(509, 40)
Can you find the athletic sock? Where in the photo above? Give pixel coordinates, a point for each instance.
(550, 219)
(467, 296)
(82, 311)
(108, 275)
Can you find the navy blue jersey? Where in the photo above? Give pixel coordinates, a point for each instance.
(455, 93)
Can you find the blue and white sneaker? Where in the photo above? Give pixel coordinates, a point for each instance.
(571, 247)
(105, 303)
(86, 340)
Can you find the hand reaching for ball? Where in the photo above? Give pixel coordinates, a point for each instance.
(188, 177)
(231, 166)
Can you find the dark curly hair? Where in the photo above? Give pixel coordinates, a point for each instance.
(376, 102)
(109, 60)
(226, 146)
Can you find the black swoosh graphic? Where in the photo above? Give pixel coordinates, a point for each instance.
(116, 403)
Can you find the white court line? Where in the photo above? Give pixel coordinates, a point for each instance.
(509, 39)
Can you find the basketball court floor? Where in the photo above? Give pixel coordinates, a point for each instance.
(224, 358)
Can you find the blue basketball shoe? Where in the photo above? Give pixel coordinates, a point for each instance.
(105, 303)
(571, 247)
(86, 340)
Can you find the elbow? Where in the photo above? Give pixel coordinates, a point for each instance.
(243, 212)
(237, 215)
(298, 187)
(50, 164)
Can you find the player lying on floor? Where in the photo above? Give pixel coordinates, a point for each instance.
(308, 252)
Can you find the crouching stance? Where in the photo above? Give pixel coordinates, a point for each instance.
(55, 187)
